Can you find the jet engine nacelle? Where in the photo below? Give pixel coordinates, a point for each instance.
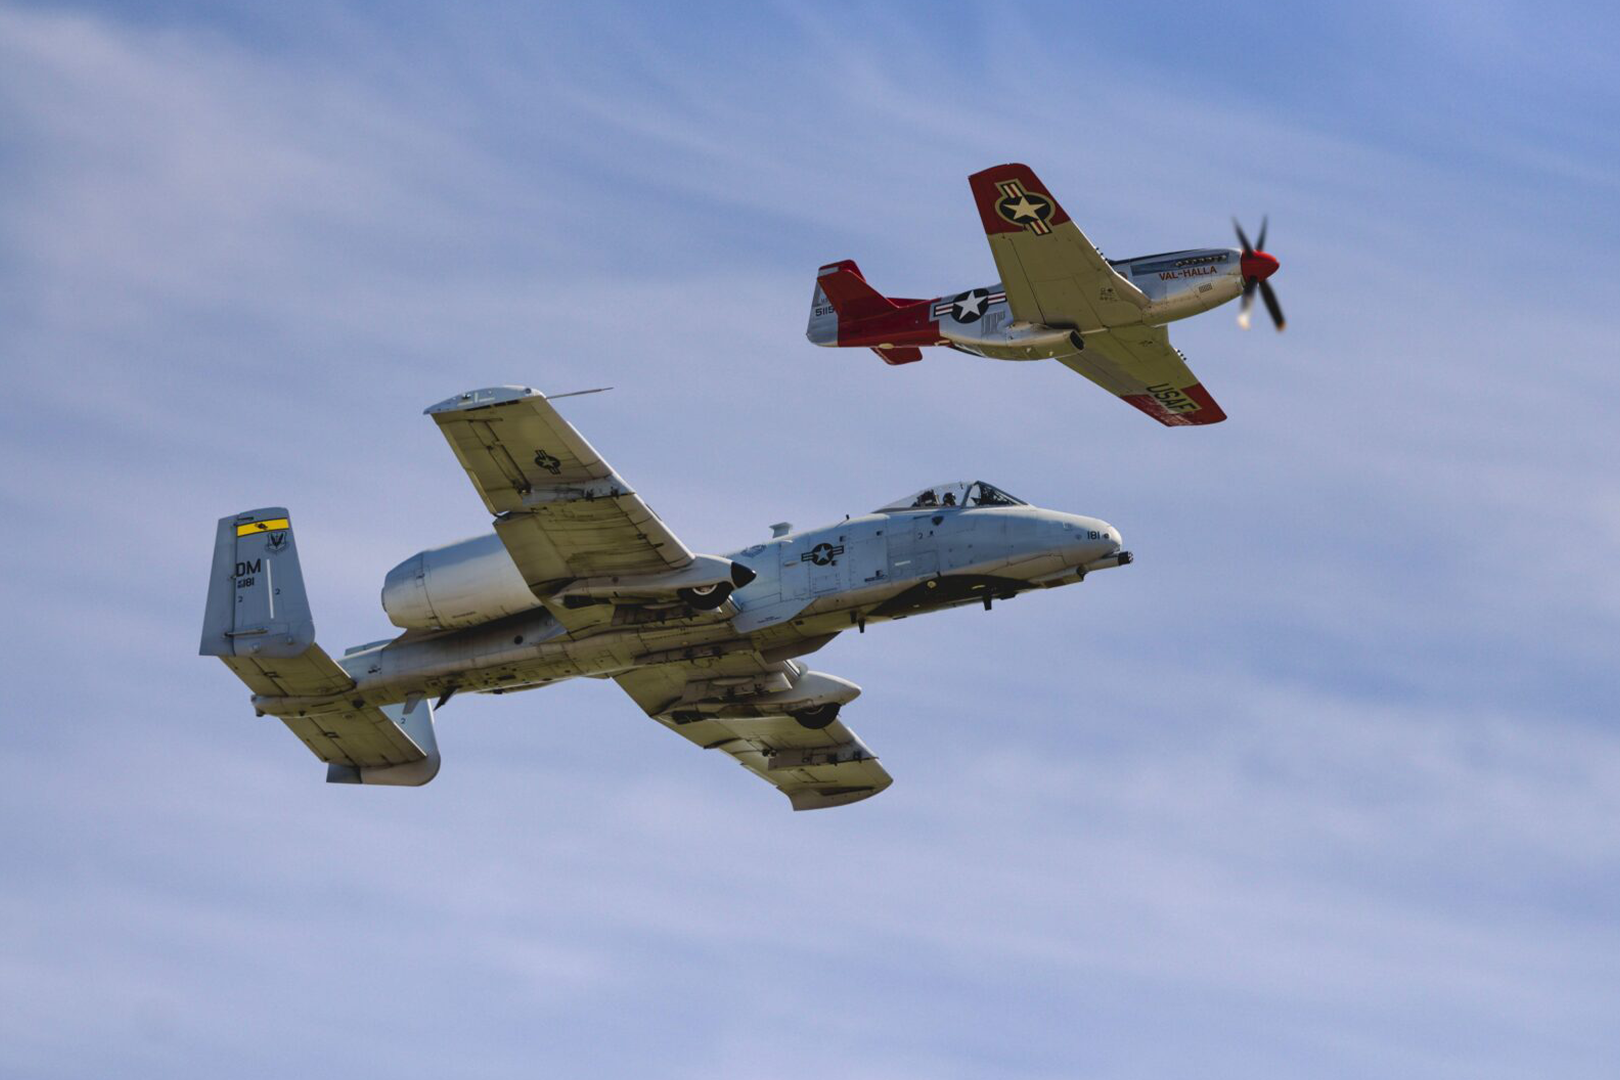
(456, 585)
(475, 581)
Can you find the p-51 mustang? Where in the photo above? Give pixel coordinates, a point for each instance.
(1058, 298)
(581, 578)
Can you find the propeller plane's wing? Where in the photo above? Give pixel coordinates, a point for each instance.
(814, 768)
(1138, 365)
(1052, 273)
(1054, 276)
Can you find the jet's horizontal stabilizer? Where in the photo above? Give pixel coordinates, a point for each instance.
(414, 719)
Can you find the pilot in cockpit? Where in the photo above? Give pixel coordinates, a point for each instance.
(949, 499)
(926, 499)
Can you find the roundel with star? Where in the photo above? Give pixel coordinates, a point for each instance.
(823, 554)
(969, 306)
(1026, 209)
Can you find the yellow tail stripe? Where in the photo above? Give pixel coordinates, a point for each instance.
(262, 526)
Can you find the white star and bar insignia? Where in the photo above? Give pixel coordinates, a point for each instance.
(823, 554)
(968, 307)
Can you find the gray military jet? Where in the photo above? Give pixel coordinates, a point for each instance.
(581, 578)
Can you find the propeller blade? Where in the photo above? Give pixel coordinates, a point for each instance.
(1248, 303)
(1271, 305)
(1260, 245)
(1247, 247)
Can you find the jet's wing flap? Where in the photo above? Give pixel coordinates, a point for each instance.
(815, 769)
(1051, 272)
(362, 737)
(1139, 365)
(311, 673)
(560, 509)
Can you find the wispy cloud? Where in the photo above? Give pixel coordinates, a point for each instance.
(1324, 782)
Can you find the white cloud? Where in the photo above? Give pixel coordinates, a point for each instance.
(1321, 782)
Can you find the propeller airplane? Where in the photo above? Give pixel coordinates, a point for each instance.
(1059, 298)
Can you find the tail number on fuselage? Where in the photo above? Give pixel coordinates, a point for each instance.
(1172, 399)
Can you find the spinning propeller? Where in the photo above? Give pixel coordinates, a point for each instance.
(1257, 266)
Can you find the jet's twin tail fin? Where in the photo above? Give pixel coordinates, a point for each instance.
(256, 600)
(258, 622)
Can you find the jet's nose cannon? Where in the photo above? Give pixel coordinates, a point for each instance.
(1106, 552)
(1082, 544)
(1118, 558)
(1088, 539)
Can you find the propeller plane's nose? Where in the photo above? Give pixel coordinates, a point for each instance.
(1258, 265)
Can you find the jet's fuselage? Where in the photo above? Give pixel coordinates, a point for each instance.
(809, 586)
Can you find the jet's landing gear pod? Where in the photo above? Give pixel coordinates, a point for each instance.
(818, 717)
(706, 597)
(709, 597)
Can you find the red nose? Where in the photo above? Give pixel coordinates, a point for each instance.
(1257, 266)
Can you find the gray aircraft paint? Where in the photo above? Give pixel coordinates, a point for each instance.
(867, 561)
(705, 644)
(256, 601)
(1023, 546)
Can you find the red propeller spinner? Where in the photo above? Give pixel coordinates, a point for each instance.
(1257, 265)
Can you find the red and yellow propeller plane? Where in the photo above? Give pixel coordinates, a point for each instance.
(1059, 299)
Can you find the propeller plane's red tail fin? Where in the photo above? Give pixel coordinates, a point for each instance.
(844, 298)
(845, 310)
(851, 297)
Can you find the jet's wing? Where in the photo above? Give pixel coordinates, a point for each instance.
(813, 768)
(561, 511)
(1052, 273)
(1138, 364)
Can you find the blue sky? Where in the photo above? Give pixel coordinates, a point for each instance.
(1327, 783)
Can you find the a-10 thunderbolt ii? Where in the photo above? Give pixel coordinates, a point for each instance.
(581, 578)
(1058, 298)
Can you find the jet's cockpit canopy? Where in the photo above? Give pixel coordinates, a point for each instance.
(960, 493)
